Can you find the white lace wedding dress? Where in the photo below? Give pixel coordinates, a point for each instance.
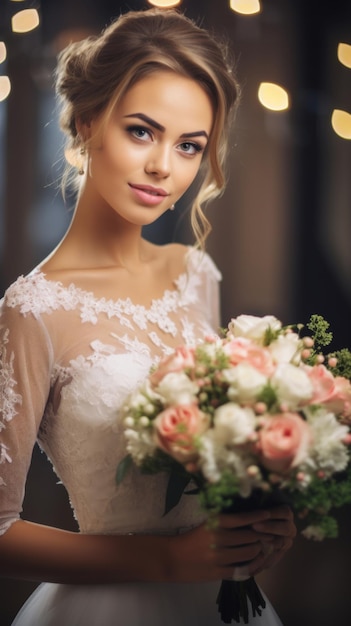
(69, 360)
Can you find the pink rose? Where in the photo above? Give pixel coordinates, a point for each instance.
(177, 428)
(180, 359)
(283, 441)
(340, 403)
(242, 350)
(333, 392)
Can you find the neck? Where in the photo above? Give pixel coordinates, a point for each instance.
(98, 236)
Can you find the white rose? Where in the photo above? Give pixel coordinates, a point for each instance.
(245, 382)
(286, 348)
(329, 451)
(233, 425)
(253, 327)
(177, 388)
(211, 349)
(215, 457)
(292, 385)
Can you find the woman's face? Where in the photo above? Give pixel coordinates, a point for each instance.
(151, 147)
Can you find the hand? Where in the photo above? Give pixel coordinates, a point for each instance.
(280, 531)
(205, 554)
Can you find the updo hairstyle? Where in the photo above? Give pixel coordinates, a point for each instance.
(94, 74)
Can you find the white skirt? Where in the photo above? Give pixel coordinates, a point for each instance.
(137, 604)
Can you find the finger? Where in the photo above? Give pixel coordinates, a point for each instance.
(272, 527)
(281, 511)
(237, 556)
(247, 518)
(228, 538)
(251, 568)
(273, 558)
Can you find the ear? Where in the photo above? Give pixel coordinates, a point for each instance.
(83, 129)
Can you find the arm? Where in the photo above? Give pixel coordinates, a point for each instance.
(36, 552)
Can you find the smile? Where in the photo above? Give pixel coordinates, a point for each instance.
(148, 195)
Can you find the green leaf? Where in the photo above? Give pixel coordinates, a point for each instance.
(177, 482)
(123, 468)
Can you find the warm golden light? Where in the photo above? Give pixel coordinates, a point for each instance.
(24, 21)
(273, 96)
(3, 52)
(5, 87)
(245, 7)
(344, 54)
(341, 123)
(166, 4)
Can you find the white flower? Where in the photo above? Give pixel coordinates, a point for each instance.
(253, 327)
(286, 348)
(139, 444)
(245, 382)
(208, 454)
(138, 400)
(292, 385)
(233, 425)
(211, 349)
(329, 452)
(314, 532)
(177, 388)
(214, 457)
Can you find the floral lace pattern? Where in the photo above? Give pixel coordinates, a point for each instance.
(9, 399)
(101, 351)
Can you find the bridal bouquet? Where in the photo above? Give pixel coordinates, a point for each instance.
(250, 418)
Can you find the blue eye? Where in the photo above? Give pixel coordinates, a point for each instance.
(190, 147)
(139, 132)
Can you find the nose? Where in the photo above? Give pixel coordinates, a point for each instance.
(159, 161)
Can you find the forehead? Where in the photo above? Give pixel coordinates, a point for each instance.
(174, 101)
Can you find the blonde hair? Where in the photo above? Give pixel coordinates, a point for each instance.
(93, 75)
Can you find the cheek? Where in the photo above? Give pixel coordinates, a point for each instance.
(186, 173)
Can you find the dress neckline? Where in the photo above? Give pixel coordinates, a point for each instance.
(86, 295)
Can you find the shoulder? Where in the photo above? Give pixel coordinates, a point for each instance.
(31, 294)
(186, 259)
(199, 261)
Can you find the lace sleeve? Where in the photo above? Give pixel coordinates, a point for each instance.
(25, 364)
(201, 263)
(213, 295)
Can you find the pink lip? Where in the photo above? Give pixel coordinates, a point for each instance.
(148, 194)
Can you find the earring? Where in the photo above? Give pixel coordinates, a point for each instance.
(81, 166)
(171, 208)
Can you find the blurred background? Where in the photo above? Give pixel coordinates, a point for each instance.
(281, 231)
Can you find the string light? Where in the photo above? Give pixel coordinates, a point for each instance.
(273, 96)
(5, 87)
(341, 123)
(245, 7)
(24, 21)
(3, 52)
(166, 4)
(344, 54)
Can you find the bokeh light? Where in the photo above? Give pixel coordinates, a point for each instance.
(245, 7)
(5, 87)
(341, 123)
(273, 96)
(344, 54)
(24, 21)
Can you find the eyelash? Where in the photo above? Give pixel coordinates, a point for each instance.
(135, 129)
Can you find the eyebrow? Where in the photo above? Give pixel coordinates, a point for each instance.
(154, 124)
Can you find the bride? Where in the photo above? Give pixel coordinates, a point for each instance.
(146, 107)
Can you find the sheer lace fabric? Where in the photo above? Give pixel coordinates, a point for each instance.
(68, 361)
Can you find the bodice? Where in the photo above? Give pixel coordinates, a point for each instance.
(69, 361)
